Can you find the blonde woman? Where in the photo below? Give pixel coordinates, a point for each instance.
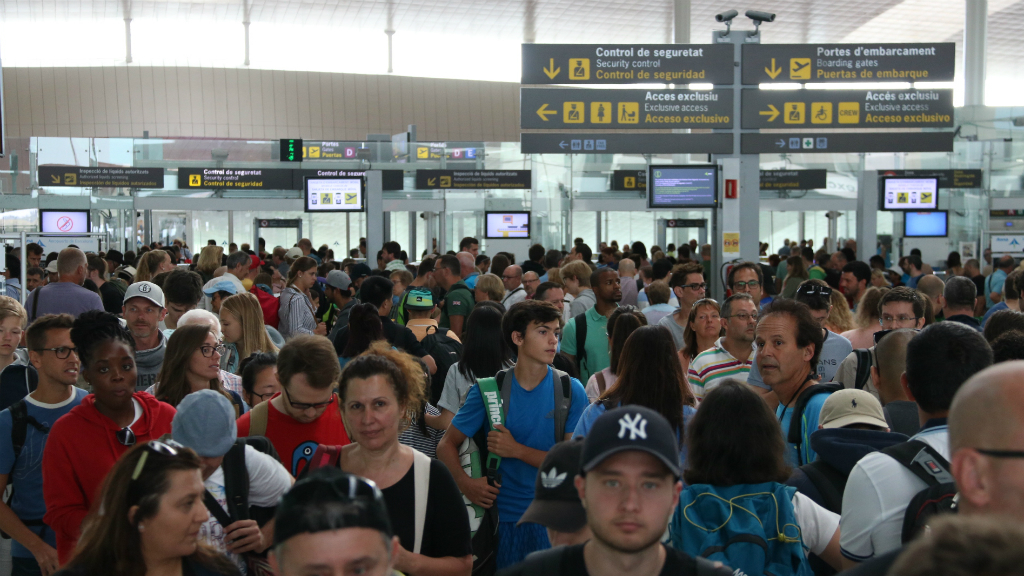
(489, 287)
(241, 323)
(840, 319)
(866, 320)
(152, 263)
(209, 260)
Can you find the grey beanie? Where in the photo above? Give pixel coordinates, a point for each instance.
(205, 422)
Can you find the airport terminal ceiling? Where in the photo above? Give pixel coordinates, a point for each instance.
(461, 39)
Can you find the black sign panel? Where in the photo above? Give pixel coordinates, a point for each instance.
(847, 108)
(611, 143)
(947, 178)
(326, 150)
(627, 63)
(280, 223)
(391, 180)
(926, 62)
(472, 179)
(686, 223)
(235, 178)
(108, 176)
(804, 143)
(629, 180)
(610, 109)
(793, 179)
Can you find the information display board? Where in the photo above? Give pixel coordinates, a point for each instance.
(933, 224)
(627, 63)
(335, 194)
(902, 193)
(507, 225)
(682, 186)
(64, 221)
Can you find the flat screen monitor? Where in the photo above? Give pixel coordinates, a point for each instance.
(682, 187)
(909, 193)
(335, 193)
(507, 225)
(931, 224)
(64, 221)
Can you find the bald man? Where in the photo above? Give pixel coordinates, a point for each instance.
(530, 282)
(932, 286)
(512, 278)
(467, 264)
(627, 275)
(66, 295)
(886, 375)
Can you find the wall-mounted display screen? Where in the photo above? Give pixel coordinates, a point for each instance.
(900, 193)
(932, 224)
(335, 194)
(507, 225)
(64, 221)
(682, 186)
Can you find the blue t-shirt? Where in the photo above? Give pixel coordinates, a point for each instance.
(993, 310)
(597, 408)
(798, 456)
(27, 473)
(530, 419)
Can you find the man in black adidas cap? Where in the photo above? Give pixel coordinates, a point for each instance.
(629, 484)
(333, 523)
(556, 503)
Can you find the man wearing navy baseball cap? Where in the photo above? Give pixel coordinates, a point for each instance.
(629, 484)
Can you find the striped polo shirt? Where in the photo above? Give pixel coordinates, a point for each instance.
(712, 365)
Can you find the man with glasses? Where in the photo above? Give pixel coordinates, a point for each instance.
(939, 360)
(731, 356)
(306, 412)
(688, 286)
(512, 278)
(530, 282)
(746, 278)
(21, 444)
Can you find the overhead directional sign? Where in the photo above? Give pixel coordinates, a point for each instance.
(472, 179)
(105, 176)
(235, 178)
(612, 143)
(847, 108)
(793, 179)
(947, 178)
(629, 180)
(391, 180)
(927, 62)
(802, 143)
(627, 63)
(612, 109)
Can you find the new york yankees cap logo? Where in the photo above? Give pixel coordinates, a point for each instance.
(631, 428)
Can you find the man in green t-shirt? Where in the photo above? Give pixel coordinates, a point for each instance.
(458, 300)
(608, 293)
(814, 271)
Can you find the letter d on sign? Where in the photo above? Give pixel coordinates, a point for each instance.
(731, 188)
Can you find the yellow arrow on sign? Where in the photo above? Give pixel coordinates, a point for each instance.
(544, 110)
(431, 181)
(55, 179)
(552, 71)
(774, 71)
(774, 113)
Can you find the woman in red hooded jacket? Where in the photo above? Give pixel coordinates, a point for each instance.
(84, 444)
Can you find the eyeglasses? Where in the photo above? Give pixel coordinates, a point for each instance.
(697, 286)
(814, 290)
(263, 397)
(303, 406)
(125, 436)
(1001, 453)
(208, 350)
(743, 317)
(883, 320)
(747, 284)
(62, 352)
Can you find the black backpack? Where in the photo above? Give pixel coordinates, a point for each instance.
(445, 351)
(236, 485)
(864, 361)
(581, 340)
(794, 436)
(940, 495)
(20, 421)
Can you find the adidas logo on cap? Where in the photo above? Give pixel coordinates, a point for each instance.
(551, 478)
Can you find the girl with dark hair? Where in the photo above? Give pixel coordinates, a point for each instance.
(192, 362)
(648, 375)
(743, 461)
(499, 263)
(259, 377)
(639, 249)
(796, 272)
(364, 328)
(86, 442)
(623, 321)
(484, 353)
(148, 519)
(378, 392)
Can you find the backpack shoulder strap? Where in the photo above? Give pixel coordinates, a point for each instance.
(489, 394)
(421, 481)
(563, 399)
(505, 385)
(35, 301)
(601, 384)
(864, 362)
(19, 426)
(236, 481)
(581, 340)
(793, 436)
(258, 419)
(922, 460)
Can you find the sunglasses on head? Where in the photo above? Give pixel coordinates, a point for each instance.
(814, 290)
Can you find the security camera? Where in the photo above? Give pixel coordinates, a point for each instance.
(759, 17)
(726, 16)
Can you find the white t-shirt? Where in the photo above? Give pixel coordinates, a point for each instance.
(876, 497)
(456, 387)
(817, 525)
(268, 481)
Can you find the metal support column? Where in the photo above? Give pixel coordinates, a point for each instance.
(681, 21)
(231, 227)
(374, 215)
(411, 248)
(597, 237)
(975, 32)
(867, 214)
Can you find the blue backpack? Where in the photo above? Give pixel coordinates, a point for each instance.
(751, 528)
